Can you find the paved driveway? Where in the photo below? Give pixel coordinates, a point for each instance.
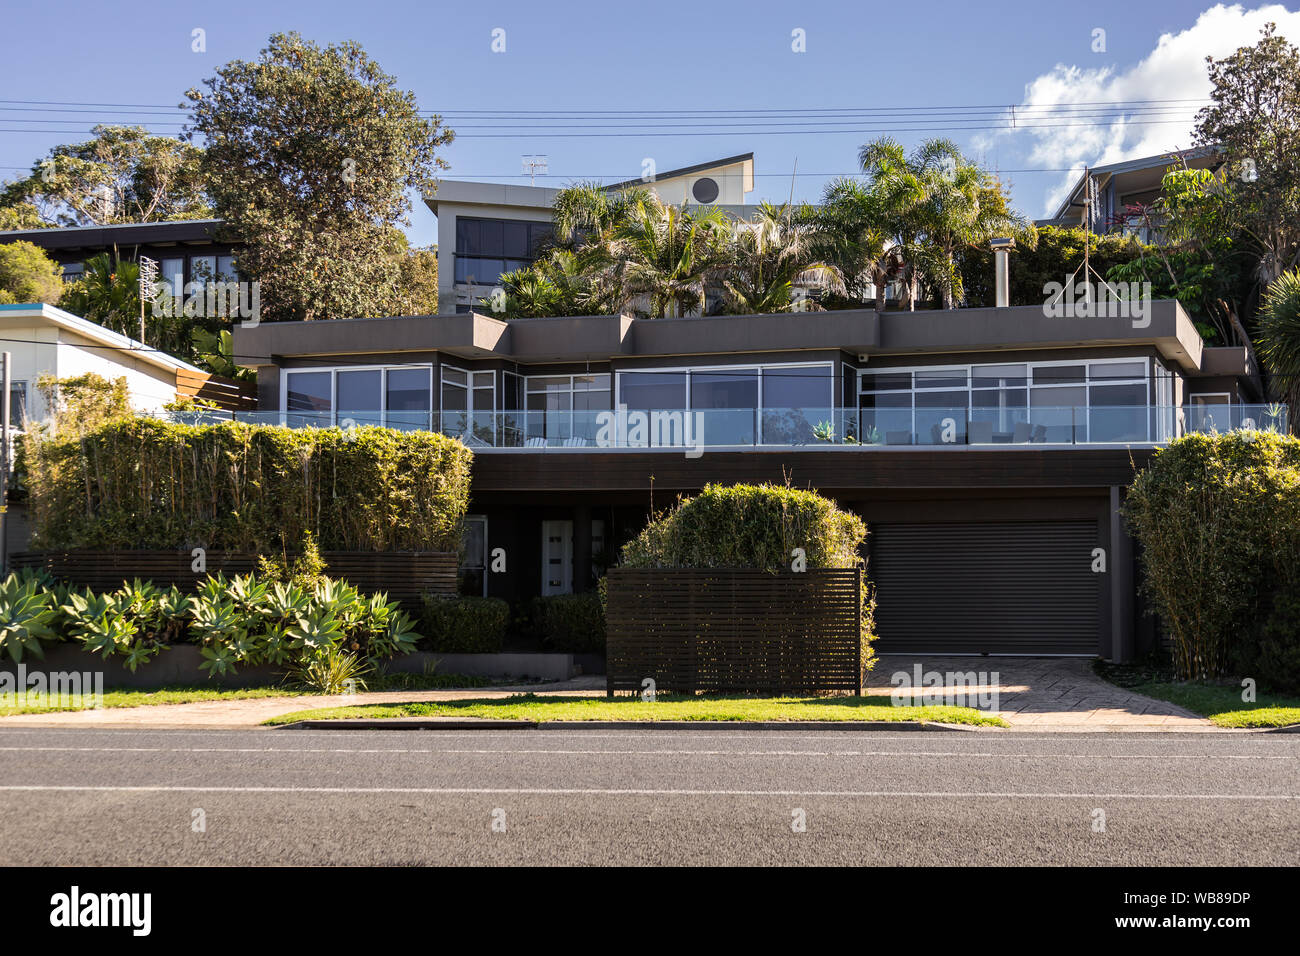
(1049, 693)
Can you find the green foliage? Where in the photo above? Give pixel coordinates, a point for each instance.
(312, 154)
(571, 623)
(1218, 517)
(330, 671)
(465, 625)
(1279, 335)
(123, 175)
(26, 610)
(749, 526)
(27, 274)
(145, 483)
(215, 351)
(81, 403)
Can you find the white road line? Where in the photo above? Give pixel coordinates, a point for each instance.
(650, 753)
(641, 792)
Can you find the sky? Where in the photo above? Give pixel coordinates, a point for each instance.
(599, 88)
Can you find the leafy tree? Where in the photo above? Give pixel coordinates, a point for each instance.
(27, 274)
(854, 229)
(666, 255)
(215, 351)
(24, 215)
(124, 174)
(1255, 120)
(310, 156)
(107, 293)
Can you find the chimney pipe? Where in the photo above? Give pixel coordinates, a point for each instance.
(1002, 270)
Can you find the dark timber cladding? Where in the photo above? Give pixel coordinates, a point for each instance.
(734, 631)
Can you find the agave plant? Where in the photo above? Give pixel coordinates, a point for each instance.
(26, 611)
(330, 671)
(105, 626)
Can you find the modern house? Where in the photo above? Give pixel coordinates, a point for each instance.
(1121, 190)
(987, 449)
(485, 229)
(186, 251)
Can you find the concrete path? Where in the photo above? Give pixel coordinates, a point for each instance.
(1051, 693)
(1033, 693)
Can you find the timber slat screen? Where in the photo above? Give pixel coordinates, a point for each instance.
(404, 576)
(734, 631)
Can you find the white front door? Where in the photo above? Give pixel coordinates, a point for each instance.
(557, 557)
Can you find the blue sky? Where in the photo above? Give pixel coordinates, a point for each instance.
(673, 56)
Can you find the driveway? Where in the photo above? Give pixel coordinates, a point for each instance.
(1049, 693)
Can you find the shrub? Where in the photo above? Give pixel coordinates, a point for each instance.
(570, 623)
(1218, 518)
(145, 483)
(749, 526)
(465, 625)
(756, 526)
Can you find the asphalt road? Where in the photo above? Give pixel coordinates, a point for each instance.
(78, 797)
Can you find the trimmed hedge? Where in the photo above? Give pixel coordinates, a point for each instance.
(146, 483)
(571, 623)
(464, 625)
(1218, 517)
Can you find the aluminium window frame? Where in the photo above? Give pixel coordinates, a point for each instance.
(333, 370)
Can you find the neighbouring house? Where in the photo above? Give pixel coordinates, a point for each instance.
(491, 228)
(988, 449)
(1121, 191)
(186, 251)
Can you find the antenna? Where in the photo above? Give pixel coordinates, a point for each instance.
(533, 164)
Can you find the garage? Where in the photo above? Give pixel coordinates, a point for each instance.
(1007, 587)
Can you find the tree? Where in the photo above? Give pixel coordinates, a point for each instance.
(108, 293)
(416, 291)
(772, 256)
(1255, 120)
(855, 228)
(124, 174)
(310, 156)
(27, 274)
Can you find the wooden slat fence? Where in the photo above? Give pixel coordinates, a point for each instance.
(734, 630)
(225, 393)
(403, 575)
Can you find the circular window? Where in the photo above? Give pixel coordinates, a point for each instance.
(705, 190)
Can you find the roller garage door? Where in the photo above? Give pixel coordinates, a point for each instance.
(987, 587)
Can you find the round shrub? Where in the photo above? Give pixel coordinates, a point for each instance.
(464, 625)
(571, 623)
(1218, 519)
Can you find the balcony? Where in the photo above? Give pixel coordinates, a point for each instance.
(803, 428)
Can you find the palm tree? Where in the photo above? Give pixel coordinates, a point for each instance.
(854, 232)
(667, 255)
(108, 293)
(1278, 338)
(770, 257)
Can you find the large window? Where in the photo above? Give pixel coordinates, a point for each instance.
(563, 408)
(469, 404)
(1057, 402)
(485, 248)
(739, 405)
(396, 397)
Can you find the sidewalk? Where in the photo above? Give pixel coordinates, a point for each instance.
(1034, 694)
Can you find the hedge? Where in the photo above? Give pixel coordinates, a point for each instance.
(464, 625)
(146, 483)
(1218, 520)
(570, 623)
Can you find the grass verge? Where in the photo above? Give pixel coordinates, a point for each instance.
(145, 697)
(1220, 702)
(535, 708)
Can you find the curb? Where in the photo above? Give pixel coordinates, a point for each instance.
(401, 723)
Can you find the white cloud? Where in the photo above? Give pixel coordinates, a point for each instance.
(1174, 70)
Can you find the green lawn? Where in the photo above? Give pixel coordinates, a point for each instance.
(132, 697)
(1221, 703)
(532, 707)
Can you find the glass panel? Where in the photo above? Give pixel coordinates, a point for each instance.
(408, 401)
(653, 390)
(1059, 374)
(1059, 416)
(1118, 395)
(515, 240)
(479, 271)
(468, 237)
(17, 405)
(591, 382)
(226, 269)
(728, 402)
(548, 383)
(886, 381)
(998, 376)
(796, 401)
(307, 399)
(941, 378)
(886, 400)
(203, 268)
(1112, 370)
(173, 272)
(492, 237)
(360, 400)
